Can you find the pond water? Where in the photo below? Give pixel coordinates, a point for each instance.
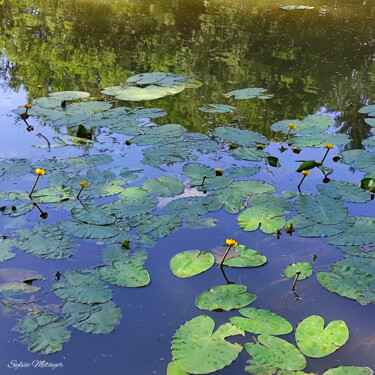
(318, 61)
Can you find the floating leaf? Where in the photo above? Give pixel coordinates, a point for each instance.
(44, 334)
(53, 194)
(316, 341)
(131, 175)
(235, 198)
(83, 230)
(242, 171)
(239, 136)
(218, 108)
(361, 233)
(260, 321)
(18, 209)
(248, 93)
(13, 168)
(198, 171)
(360, 159)
(368, 109)
(247, 153)
(88, 161)
(97, 318)
(213, 183)
(191, 262)
(305, 268)
(196, 340)
(349, 370)
(93, 214)
(276, 352)
(344, 191)
(225, 297)
(267, 211)
(82, 287)
(117, 252)
(173, 369)
(319, 140)
(255, 368)
(6, 246)
(296, 7)
(163, 134)
(125, 273)
(164, 186)
(351, 277)
(241, 257)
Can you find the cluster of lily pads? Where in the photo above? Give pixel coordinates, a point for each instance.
(129, 218)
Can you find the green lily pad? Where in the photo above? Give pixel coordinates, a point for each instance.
(125, 273)
(260, 321)
(319, 140)
(44, 334)
(117, 252)
(173, 369)
(276, 352)
(305, 268)
(196, 340)
(352, 278)
(218, 108)
(6, 246)
(198, 171)
(191, 262)
(13, 196)
(101, 190)
(14, 168)
(349, 370)
(248, 93)
(238, 172)
(267, 211)
(309, 125)
(296, 7)
(361, 159)
(255, 368)
(131, 175)
(361, 233)
(93, 214)
(83, 230)
(248, 153)
(88, 161)
(165, 186)
(241, 257)
(53, 194)
(235, 197)
(316, 341)
(344, 191)
(18, 209)
(239, 136)
(367, 109)
(225, 297)
(82, 287)
(212, 183)
(97, 318)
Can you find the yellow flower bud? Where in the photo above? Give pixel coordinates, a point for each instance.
(40, 172)
(292, 126)
(305, 173)
(84, 184)
(329, 145)
(218, 172)
(231, 242)
(40, 87)
(28, 106)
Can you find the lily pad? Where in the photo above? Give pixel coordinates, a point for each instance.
(296, 7)
(238, 172)
(305, 268)
(248, 93)
(53, 194)
(82, 287)
(218, 108)
(97, 318)
(316, 341)
(241, 257)
(191, 262)
(352, 278)
(13, 168)
(276, 352)
(225, 297)
(6, 246)
(83, 230)
(319, 140)
(344, 191)
(239, 136)
(125, 273)
(198, 171)
(44, 334)
(173, 369)
(18, 209)
(88, 161)
(248, 153)
(195, 341)
(349, 370)
(260, 321)
(93, 214)
(165, 186)
(267, 211)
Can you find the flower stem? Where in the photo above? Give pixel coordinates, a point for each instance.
(79, 193)
(324, 158)
(295, 279)
(299, 185)
(33, 187)
(224, 256)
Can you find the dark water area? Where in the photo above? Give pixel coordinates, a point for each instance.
(319, 61)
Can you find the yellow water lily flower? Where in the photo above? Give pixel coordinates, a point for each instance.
(292, 126)
(40, 87)
(329, 145)
(219, 172)
(305, 173)
(40, 172)
(84, 184)
(28, 106)
(231, 242)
